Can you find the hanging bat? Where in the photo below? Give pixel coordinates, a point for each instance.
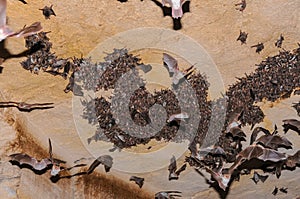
(275, 191)
(274, 142)
(293, 160)
(48, 11)
(257, 177)
(172, 64)
(106, 160)
(278, 43)
(242, 5)
(284, 190)
(180, 116)
(139, 181)
(176, 7)
(29, 30)
(167, 194)
(213, 151)
(233, 120)
(220, 176)
(292, 124)
(242, 37)
(173, 172)
(23, 106)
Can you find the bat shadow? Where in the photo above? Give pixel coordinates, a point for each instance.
(56, 178)
(6, 54)
(167, 11)
(37, 172)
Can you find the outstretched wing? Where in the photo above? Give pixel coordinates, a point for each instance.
(256, 131)
(171, 62)
(106, 160)
(173, 165)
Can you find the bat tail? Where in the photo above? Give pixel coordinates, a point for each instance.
(177, 13)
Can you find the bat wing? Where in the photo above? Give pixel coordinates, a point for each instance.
(30, 30)
(171, 62)
(274, 141)
(252, 151)
(262, 177)
(139, 181)
(237, 132)
(22, 158)
(106, 160)
(272, 155)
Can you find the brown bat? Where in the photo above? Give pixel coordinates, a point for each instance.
(292, 124)
(173, 172)
(167, 194)
(242, 5)
(236, 132)
(293, 160)
(48, 11)
(23, 106)
(38, 165)
(106, 160)
(139, 181)
(257, 177)
(274, 142)
(259, 47)
(278, 43)
(242, 37)
(256, 131)
(29, 30)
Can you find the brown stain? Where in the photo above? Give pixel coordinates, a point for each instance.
(98, 185)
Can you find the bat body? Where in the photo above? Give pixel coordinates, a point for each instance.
(48, 11)
(106, 160)
(167, 194)
(242, 37)
(223, 179)
(23, 106)
(171, 63)
(293, 160)
(139, 181)
(176, 7)
(173, 172)
(236, 132)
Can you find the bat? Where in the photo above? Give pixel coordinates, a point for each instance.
(180, 116)
(296, 106)
(167, 194)
(292, 124)
(259, 47)
(242, 37)
(145, 68)
(274, 142)
(176, 7)
(275, 191)
(23, 106)
(172, 64)
(139, 181)
(213, 151)
(223, 178)
(284, 190)
(242, 5)
(233, 120)
(48, 11)
(257, 177)
(293, 160)
(173, 172)
(29, 30)
(106, 160)
(278, 43)
(236, 132)
(256, 131)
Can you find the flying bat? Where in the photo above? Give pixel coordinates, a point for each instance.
(257, 177)
(274, 142)
(259, 47)
(173, 172)
(292, 124)
(176, 7)
(180, 116)
(23, 106)
(139, 181)
(38, 165)
(175, 73)
(256, 131)
(106, 160)
(167, 194)
(220, 176)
